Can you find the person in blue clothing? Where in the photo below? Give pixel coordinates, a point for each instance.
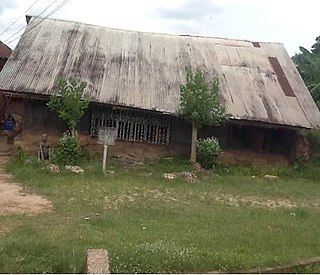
(8, 122)
(15, 128)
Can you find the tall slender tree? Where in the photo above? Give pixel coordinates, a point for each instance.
(200, 104)
(70, 102)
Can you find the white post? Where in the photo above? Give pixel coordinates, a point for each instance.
(105, 152)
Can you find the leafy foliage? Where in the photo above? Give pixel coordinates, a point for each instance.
(200, 101)
(200, 104)
(311, 68)
(316, 46)
(208, 152)
(23, 158)
(308, 64)
(20, 154)
(70, 103)
(68, 151)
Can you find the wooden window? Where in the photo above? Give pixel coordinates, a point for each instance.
(133, 125)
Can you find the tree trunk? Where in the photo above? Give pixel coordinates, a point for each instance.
(193, 156)
(73, 132)
(72, 127)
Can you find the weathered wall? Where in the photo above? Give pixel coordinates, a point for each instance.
(37, 116)
(261, 139)
(39, 119)
(245, 156)
(301, 149)
(30, 140)
(237, 143)
(221, 133)
(180, 131)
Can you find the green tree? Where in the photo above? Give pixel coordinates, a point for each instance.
(316, 46)
(70, 102)
(308, 66)
(200, 105)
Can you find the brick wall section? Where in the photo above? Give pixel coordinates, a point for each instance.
(302, 148)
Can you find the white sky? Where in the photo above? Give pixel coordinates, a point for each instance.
(294, 23)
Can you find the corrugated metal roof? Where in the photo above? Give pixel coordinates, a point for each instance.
(145, 70)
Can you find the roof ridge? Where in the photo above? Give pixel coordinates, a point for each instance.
(154, 33)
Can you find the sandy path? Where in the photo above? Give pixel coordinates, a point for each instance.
(15, 200)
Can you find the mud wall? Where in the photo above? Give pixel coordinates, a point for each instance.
(239, 143)
(37, 116)
(39, 119)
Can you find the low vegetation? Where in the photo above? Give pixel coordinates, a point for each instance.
(208, 151)
(68, 151)
(232, 219)
(70, 104)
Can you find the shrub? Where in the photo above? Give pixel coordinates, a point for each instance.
(20, 155)
(22, 160)
(68, 151)
(208, 151)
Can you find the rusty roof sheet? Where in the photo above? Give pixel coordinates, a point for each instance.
(145, 70)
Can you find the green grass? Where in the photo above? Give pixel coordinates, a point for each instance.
(150, 224)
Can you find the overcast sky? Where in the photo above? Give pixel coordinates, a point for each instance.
(294, 23)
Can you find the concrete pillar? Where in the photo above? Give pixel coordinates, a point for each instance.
(97, 261)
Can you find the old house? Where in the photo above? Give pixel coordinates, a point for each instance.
(134, 78)
(5, 52)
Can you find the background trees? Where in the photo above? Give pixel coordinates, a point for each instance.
(308, 64)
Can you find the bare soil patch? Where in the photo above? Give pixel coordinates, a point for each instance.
(236, 200)
(166, 196)
(16, 200)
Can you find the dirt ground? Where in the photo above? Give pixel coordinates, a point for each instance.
(14, 199)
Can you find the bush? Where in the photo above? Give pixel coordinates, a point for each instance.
(68, 151)
(20, 155)
(22, 161)
(208, 151)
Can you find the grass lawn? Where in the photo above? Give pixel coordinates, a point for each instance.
(228, 221)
